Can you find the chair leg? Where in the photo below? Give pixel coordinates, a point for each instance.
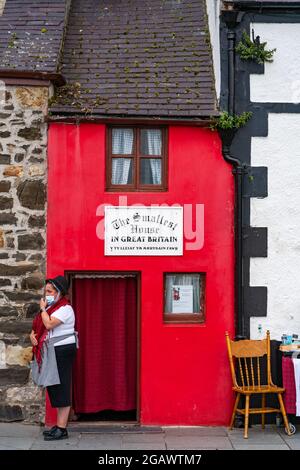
(246, 416)
(234, 410)
(263, 405)
(285, 420)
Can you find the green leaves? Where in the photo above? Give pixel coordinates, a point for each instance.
(12, 40)
(249, 50)
(227, 121)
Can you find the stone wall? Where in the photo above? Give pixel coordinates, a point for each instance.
(2, 5)
(23, 159)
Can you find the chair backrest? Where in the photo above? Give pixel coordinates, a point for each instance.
(248, 355)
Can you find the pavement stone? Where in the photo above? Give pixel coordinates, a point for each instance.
(197, 442)
(260, 447)
(143, 446)
(292, 442)
(19, 430)
(18, 436)
(16, 443)
(98, 446)
(100, 442)
(263, 440)
(65, 444)
(144, 438)
(195, 431)
(256, 435)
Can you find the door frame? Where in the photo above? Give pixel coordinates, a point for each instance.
(70, 275)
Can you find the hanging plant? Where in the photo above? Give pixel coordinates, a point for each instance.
(227, 126)
(254, 49)
(226, 121)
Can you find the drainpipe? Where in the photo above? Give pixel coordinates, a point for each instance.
(239, 170)
(231, 70)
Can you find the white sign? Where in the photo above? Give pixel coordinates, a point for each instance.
(182, 299)
(144, 231)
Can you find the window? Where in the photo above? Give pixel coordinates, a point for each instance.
(184, 298)
(136, 159)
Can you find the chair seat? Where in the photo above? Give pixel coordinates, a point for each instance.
(259, 389)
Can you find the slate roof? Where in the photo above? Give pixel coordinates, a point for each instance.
(119, 57)
(133, 57)
(31, 33)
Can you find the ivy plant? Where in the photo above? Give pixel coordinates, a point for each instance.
(227, 121)
(254, 49)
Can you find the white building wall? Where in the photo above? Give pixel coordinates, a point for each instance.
(280, 211)
(281, 81)
(213, 12)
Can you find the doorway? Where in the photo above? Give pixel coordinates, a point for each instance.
(105, 375)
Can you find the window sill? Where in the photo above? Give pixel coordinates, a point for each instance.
(180, 318)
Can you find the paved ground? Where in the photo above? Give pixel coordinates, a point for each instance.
(21, 436)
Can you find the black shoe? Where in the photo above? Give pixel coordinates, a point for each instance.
(49, 431)
(57, 435)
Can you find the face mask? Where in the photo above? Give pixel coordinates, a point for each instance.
(50, 299)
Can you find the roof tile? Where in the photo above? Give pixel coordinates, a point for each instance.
(133, 57)
(31, 33)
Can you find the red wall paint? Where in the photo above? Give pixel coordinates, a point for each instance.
(184, 370)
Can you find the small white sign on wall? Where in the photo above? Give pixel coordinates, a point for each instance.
(143, 231)
(182, 299)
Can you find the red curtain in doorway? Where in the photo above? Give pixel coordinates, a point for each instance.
(106, 364)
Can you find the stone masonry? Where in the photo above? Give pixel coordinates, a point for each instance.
(2, 5)
(23, 159)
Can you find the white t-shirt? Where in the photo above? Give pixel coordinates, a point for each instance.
(66, 315)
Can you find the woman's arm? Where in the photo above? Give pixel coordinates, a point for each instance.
(48, 321)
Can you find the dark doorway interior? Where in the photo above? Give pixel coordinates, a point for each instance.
(108, 415)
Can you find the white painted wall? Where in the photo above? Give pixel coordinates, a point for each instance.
(213, 11)
(281, 81)
(280, 212)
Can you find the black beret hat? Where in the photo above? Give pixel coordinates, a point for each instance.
(60, 283)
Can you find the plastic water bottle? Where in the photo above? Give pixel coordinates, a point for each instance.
(278, 420)
(260, 329)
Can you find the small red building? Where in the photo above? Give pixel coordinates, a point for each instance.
(152, 277)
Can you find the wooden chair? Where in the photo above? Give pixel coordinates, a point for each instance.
(248, 381)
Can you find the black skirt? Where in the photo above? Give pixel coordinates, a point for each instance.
(60, 395)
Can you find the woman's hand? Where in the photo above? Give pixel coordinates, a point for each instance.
(33, 338)
(43, 303)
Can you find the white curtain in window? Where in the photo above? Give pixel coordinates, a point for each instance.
(150, 171)
(122, 141)
(151, 140)
(155, 164)
(120, 170)
(122, 144)
(183, 280)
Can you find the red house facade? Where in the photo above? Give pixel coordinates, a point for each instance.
(178, 372)
(130, 129)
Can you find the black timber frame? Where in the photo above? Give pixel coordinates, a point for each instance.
(255, 184)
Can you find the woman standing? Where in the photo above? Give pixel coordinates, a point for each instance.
(54, 347)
